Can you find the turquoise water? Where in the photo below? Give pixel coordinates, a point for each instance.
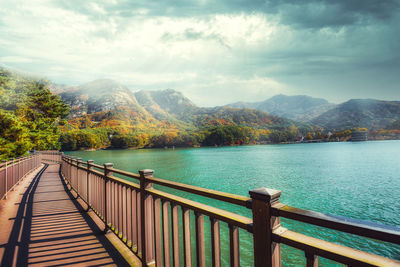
(358, 180)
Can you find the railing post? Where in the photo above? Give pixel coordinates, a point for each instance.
(107, 173)
(266, 252)
(89, 168)
(146, 209)
(5, 180)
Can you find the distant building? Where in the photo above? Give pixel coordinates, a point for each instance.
(358, 136)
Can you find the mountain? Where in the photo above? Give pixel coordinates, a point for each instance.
(107, 103)
(365, 113)
(101, 96)
(166, 104)
(300, 107)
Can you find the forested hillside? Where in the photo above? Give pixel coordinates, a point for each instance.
(107, 114)
(366, 113)
(298, 107)
(30, 115)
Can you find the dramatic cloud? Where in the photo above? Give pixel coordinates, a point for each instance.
(214, 53)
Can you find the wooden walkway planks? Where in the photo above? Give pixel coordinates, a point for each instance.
(50, 228)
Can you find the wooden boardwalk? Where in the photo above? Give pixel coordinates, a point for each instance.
(43, 224)
(51, 228)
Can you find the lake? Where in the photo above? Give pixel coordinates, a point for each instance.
(359, 180)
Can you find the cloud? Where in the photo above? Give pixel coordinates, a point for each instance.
(214, 52)
(326, 13)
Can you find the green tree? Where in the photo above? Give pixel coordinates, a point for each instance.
(30, 115)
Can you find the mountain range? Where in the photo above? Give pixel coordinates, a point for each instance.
(103, 100)
(299, 108)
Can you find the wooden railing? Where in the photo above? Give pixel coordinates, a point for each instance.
(50, 156)
(12, 171)
(147, 220)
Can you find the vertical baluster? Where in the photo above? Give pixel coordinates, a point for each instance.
(146, 203)
(110, 201)
(129, 215)
(78, 179)
(88, 183)
(114, 186)
(16, 168)
(312, 260)
(234, 245)
(24, 167)
(93, 193)
(200, 250)
(157, 232)
(115, 205)
(119, 210)
(215, 243)
(266, 252)
(115, 210)
(118, 207)
(69, 171)
(107, 173)
(139, 222)
(134, 218)
(75, 175)
(175, 234)
(72, 182)
(100, 195)
(124, 213)
(14, 173)
(186, 237)
(165, 213)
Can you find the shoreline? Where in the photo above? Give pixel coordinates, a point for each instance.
(234, 145)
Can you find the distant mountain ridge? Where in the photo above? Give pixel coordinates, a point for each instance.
(299, 107)
(100, 96)
(364, 113)
(105, 99)
(102, 100)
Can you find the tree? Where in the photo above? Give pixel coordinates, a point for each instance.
(30, 115)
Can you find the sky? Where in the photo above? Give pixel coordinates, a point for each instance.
(214, 52)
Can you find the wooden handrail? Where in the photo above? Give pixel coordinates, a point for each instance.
(117, 201)
(353, 226)
(332, 251)
(214, 194)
